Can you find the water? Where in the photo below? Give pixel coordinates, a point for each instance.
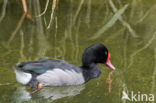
(129, 35)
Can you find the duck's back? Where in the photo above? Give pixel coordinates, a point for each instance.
(41, 66)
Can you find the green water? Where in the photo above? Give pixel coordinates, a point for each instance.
(129, 36)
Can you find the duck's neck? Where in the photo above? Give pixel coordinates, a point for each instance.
(91, 71)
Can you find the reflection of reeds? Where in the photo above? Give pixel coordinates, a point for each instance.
(110, 23)
(46, 6)
(22, 47)
(27, 14)
(122, 20)
(43, 44)
(77, 41)
(77, 12)
(88, 13)
(107, 12)
(54, 4)
(141, 49)
(16, 30)
(146, 14)
(3, 10)
(125, 50)
(55, 36)
(114, 35)
(133, 8)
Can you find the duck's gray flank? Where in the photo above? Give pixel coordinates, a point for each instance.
(59, 77)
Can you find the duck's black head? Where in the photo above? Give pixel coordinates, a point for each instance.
(96, 53)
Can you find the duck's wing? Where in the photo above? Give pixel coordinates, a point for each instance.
(40, 66)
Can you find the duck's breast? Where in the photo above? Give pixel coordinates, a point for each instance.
(61, 77)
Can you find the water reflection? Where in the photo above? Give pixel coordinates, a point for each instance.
(54, 93)
(21, 95)
(3, 10)
(48, 93)
(109, 81)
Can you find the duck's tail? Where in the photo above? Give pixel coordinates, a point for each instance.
(21, 76)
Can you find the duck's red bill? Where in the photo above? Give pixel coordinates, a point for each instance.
(109, 64)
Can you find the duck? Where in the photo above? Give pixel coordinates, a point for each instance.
(55, 72)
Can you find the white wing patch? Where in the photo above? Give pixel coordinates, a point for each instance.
(23, 77)
(59, 77)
